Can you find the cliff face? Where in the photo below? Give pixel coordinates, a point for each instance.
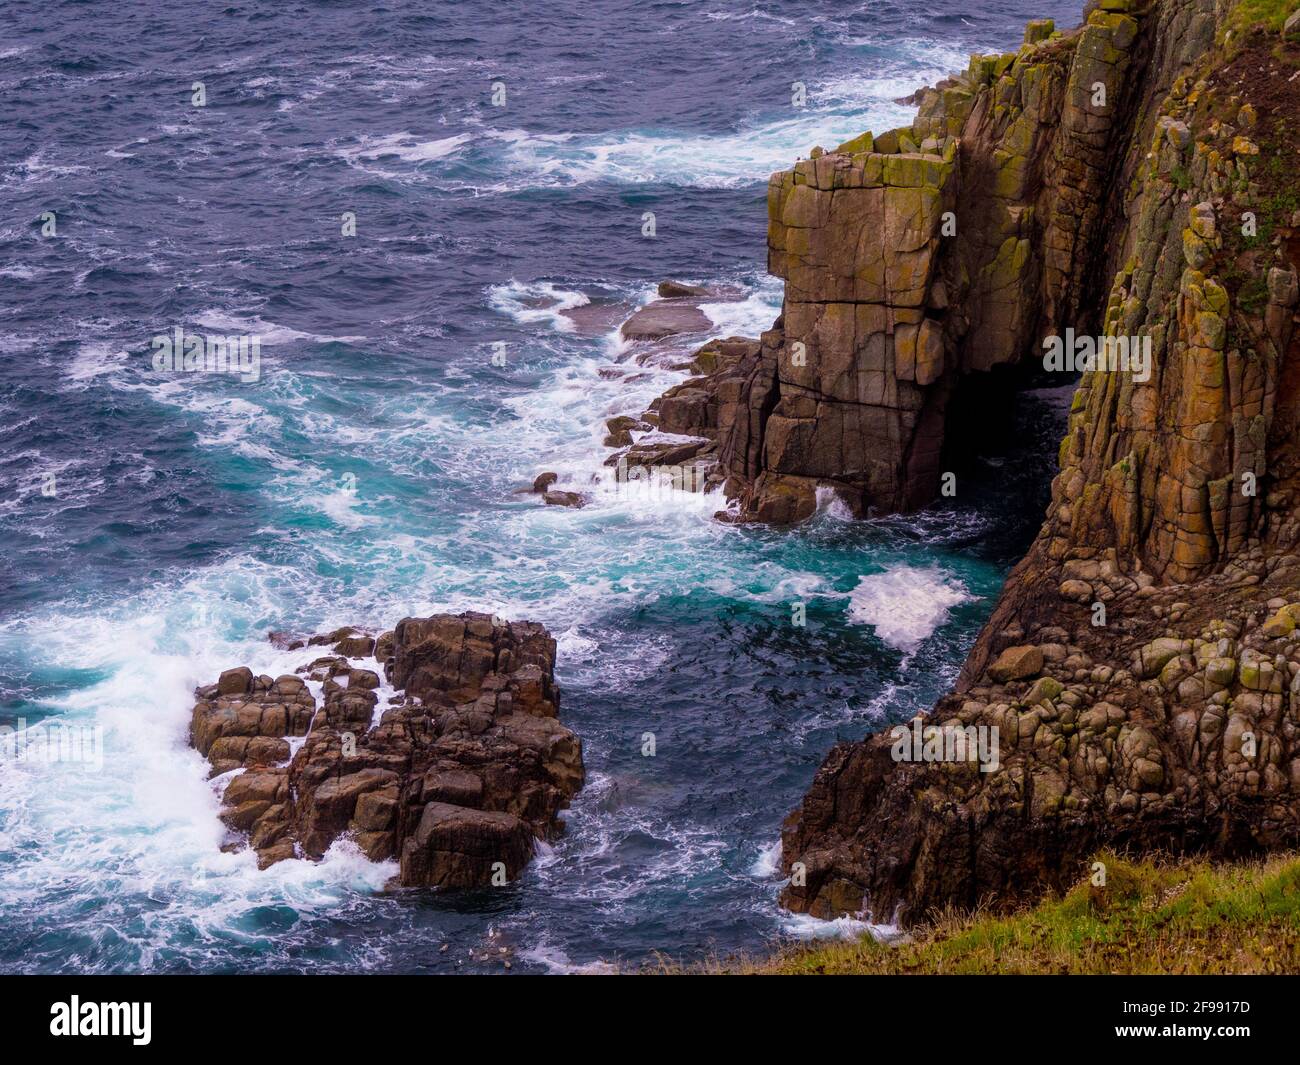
(916, 258)
(1134, 178)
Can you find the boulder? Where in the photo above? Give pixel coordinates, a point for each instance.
(555, 498)
(457, 847)
(235, 681)
(665, 318)
(1017, 663)
(329, 639)
(355, 646)
(676, 290)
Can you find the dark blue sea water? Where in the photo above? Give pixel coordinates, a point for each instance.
(155, 525)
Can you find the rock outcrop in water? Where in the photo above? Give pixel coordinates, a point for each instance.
(1134, 178)
(457, 777)
(679, 437)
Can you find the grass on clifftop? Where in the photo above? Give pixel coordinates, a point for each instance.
(1183, 918)
(1268, 13)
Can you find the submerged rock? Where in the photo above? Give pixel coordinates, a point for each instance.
(457, 778)
(595, 319)
(564, 499)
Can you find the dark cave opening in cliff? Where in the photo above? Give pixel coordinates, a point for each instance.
(1002, 434)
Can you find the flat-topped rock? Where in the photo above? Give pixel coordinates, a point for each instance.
(664, 318)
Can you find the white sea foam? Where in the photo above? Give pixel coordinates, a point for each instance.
(744, 16)
(801, 926)
(571, 645)
(772, 139)
(341, 507)
(405, 146)
(831, 505)
(537, 301)
(94, 359)
(768, 862)
(146, 821)
(906, 604)
(557, 962)
(697, 160)
(269, 332)
(750, 316)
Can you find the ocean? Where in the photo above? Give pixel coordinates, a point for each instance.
(155, 525)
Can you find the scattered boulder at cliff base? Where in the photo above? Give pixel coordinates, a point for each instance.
(1017, 663)
(618, 430)
(543, 485)
(681, 431)
(456, 778)
(453, 846)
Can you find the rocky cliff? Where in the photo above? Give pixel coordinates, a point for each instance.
(1134, 178)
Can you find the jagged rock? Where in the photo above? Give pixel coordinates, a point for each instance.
(454, 846)
(456, 779)
(698, 408)
(619, 430)
(355, 646)
(329, 639)
(1039, 30)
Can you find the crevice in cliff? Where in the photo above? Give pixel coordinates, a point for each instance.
(1002, 428)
